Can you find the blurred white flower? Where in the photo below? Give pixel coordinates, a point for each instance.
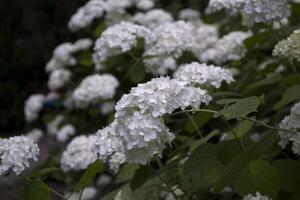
(33, 106)
(65, 132)
(257, 196)
(35, 134)
(58, 78)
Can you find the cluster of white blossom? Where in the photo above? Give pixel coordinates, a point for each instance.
(265, 11)
(109, 147)
(190, 15)
(206, 36)
(35, 134)
(229, 48)
(152, 18)
(107, 107)
(232, 6)
(94, 88)
(118, 39)
(289, 47)
(63, 54)
(16, 153)
(61, 132)
(33, 106)
(58, 78)
(257, 196)
(203, 74)
(94, 9)
(171, 40)
(291, 122)
(79, 153)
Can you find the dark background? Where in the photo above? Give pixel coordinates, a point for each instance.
(29, 31)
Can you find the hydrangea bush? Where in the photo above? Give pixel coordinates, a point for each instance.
(167, 101)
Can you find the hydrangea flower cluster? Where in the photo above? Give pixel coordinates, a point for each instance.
(79, 153)
(35, 134)
(94, 9)
(65, 132)
(233, 6)
(152, 18)
(266, 11)
(58, 78)
(229, 48)
(257, 196)
(203, 74)
(171, 40)
(290, 47)
(190, 15)
(109, 147)
(93, 88)
(118, 39)
(63, 54)
(291, 122)
(33, 106)
(16, 153)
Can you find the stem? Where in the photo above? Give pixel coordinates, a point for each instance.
(247, 118)
(56, 193)
(240, 140)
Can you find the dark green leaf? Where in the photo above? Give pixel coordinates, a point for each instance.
(44, 172)
(127, 172)
(242, 107)
(199, 119)
(289, 172)
(141, 176)
(241, 129)
(291, 94)
(89, 174)
(259, 176)
(195, 144)
(36, 190)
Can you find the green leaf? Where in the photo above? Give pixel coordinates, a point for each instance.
(137, 73)
(226, 101)
(44, 172)
(291, 94)
(260, 176)
(36, 190)
(233, 170)
(195, 144)
(241, 129)
(241, 108)
(201, 163)
(100, 28)
(89, 174)
(289, 172)
(127, 172)
(257, 39)
(141, 175)
(200, 119)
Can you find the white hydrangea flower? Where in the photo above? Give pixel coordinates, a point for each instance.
(266, 11)
(33, 106)
(109, 147)
(229, 48)
(62, 54)
(160, 64)
(118, 39)
(206, 36)
(107, 107)
(289, 47)
(79, 153)
(257, 196)
(171, 40)
(116, 6)
(86, 14)
(16, 153)
(203, 74)
(58, 78)
(190, 15)
(160, 96)
(88, 193)
(291, 122)
(152, 18)
(65, 132)
(53, 126)
(144, 4)
(93, 88)
(35, 134)
(116, 160)
(232, 6)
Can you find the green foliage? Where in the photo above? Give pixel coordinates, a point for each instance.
(36, 190)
